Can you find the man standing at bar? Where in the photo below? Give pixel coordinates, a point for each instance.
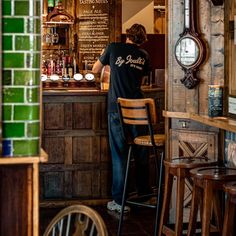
(128, 64)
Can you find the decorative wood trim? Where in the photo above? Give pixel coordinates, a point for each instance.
(24, 160)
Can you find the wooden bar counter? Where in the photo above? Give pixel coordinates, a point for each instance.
(74, 134)
(19, 194)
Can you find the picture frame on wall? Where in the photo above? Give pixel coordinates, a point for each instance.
(231, 153)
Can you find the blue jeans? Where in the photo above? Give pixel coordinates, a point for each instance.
(119, 153)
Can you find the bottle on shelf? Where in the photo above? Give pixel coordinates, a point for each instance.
(64, 62)
(49, 68)
(65, 75)
(59, 67)
(50, 5)
(69, 67)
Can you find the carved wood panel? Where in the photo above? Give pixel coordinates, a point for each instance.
(192, 143)
(75, 138)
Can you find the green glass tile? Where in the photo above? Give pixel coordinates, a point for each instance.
(7, 42)
(33, 25)
(37, 8)
(6, 7)
(22, 43)
(21, 8)
(13, 130)
(26, 147)
(27, 77)
(35, 43)
(33, 60)
(6, 113)
(30, 25)
(33, 129)
(13, 25)
(38, 26)
(32, 95)
(15, 95)
(22, 112)
(7, 78)
(13, 60)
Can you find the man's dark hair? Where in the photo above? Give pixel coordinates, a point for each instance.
(137, 33)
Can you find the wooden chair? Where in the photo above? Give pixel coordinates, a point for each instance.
(77, 220)
(142, 112)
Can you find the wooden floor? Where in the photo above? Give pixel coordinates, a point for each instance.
(139, 222)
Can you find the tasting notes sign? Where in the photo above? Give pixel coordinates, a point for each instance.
(93, 29)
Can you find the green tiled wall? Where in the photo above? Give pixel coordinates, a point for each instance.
(21, 42)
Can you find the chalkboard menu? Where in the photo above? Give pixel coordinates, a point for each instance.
(93, 17)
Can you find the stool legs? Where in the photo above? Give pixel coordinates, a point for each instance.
(229, 219)
(166, 199)
(124, 192)
(206, 214)
(159, 193)
(179, 202)
(196, 195)
(210, 202)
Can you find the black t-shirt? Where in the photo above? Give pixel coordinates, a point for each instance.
(128, 64)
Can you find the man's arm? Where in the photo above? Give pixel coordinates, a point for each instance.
(97, 67)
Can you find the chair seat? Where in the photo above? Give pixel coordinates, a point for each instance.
(230, 188)
(214, 173)
(146, 140)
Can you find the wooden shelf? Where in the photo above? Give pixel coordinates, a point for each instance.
(24, 160)
(220, 122)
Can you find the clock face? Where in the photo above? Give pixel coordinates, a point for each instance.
(187, 51)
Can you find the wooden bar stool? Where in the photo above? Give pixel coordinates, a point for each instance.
(179, 168)
(208, 184)
(229, 217)
(142, 112)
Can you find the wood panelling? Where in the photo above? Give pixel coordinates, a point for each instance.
(77, 144)
(179, 98)
(79, 163)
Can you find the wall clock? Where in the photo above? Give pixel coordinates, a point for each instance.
(190, 49)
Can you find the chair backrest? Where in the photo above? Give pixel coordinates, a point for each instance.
(77, 220)
(137, 111)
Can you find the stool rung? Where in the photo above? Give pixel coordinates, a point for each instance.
(141, 204)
